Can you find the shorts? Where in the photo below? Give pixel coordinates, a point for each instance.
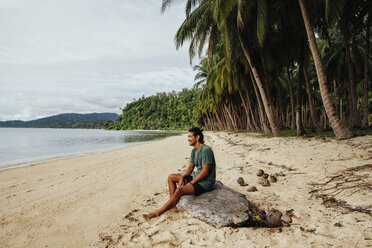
(197, 188)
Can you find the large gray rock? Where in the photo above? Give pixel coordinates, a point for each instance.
(223, 207)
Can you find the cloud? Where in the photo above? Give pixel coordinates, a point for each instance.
(86, 55)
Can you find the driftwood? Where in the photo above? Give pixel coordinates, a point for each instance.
(223, 207)
(348, 181)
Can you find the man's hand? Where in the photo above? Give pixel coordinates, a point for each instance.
(181, 182)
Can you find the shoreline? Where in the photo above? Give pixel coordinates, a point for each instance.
(68, 156)
(60, 157)
(33, 161)
(97, 199)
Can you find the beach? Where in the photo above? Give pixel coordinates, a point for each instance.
(97, 200)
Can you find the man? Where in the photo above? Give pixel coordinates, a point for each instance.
(204, 179)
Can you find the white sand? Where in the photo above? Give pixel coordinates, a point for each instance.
(98, 199)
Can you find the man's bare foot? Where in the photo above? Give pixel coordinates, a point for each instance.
(173, 209)
(150, 216)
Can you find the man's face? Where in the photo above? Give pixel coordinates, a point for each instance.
(191, 139)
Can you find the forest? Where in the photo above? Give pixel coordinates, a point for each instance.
(163, 111)
(271, 65)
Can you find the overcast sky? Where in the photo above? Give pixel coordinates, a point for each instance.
(83, 56)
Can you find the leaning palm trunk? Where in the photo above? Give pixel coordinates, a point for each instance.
(335, 95)
(340, 131)
(261, 113)
(266, 104)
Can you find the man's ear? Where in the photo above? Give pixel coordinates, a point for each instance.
(197, 137)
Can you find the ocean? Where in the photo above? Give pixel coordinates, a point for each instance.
(23, 146)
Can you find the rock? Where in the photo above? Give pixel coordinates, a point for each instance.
(223, 207)
(240, 180)
(266, 183)
(273, 218)
(272, 179)
(260, 173)
(265, 175)
(252, 189)
(260, 180)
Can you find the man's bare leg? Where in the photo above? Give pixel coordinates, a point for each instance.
(188, 189)
(173, 179)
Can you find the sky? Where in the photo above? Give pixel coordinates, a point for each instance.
(84, 56)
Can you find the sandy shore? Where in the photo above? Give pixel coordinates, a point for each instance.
(97, 200)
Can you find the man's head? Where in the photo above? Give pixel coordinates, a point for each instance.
(195, 135)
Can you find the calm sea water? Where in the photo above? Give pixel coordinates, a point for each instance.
(21, 146)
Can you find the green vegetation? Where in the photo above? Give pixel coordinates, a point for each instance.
(100, 124)
(69, 120)
(278, 65)
(172, 111)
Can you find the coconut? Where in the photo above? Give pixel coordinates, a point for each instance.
(252, 189)
(286, 218)
(240, 180)
(273, 218)
(260, 180)
(266, 183)
(260, 173)
(272, 179)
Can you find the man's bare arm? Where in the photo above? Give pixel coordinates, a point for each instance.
(202, 174)
(188, 170)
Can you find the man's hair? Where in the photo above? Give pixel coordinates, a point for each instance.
(197, 131)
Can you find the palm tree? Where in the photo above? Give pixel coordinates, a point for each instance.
(340, 131)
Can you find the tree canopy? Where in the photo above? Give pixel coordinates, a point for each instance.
(271, 65)
(169, 111)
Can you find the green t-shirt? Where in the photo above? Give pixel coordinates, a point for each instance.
(204, 155)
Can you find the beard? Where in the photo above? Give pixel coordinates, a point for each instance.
(192, 143)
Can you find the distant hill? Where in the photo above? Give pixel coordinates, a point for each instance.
(68, 120)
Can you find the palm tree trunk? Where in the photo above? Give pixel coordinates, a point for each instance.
(293, 121)
(366, 81)
(220, 126)
(226, 118)
(355, 117)
(249, 125)
(231, 118)
(266, 103)
(279, 105)
(266, 77)
(220, 117)
(261, 113)
(299, 125)
(207, 122)
(251, 110)
(335, 97)
(340, 131)
(314, 118)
